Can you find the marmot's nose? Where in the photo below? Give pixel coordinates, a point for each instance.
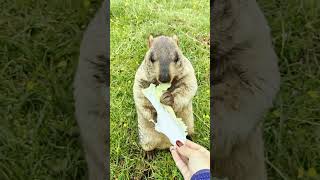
(164, 78)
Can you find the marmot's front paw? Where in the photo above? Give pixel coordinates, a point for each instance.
(167, 99)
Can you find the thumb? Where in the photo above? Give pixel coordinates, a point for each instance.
(185, 151)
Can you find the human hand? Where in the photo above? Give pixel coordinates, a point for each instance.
(190, 158)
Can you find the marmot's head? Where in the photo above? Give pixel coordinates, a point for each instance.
(164, 60)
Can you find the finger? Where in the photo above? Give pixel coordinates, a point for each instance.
(182, 166)
(184, 159)
(177, 158)
(193, 145)
(185, 151)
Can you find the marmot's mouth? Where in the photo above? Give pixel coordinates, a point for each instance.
(156, 82)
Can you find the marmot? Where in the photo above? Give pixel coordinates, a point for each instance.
(164, 63)
(90, 94)
(246, 79)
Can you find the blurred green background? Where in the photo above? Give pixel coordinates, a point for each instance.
(39, 49)
(292, 128)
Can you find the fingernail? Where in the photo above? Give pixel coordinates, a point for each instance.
(179, 143)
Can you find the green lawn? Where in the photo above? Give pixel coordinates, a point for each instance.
(131, 23)
(292, 129)
(39, 47)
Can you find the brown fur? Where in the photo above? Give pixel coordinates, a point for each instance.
(91, 99)
(164, 51)
(245, 81)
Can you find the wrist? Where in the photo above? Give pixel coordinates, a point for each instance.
(203, 174)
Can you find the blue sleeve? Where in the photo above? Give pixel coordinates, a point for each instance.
(203, 174)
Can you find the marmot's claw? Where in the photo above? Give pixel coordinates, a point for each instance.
(153, 121)
(149, 155)
(167, 99)
(189, 137)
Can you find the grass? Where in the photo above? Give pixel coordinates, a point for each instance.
(39, 47)
(292, 128)
(131, 24)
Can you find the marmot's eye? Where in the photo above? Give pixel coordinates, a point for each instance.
(152, 60)
(176, 59)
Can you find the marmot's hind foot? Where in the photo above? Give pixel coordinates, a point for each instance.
(149, 155)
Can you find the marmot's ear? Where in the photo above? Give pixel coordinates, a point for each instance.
(150, 41)
(176, 40)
